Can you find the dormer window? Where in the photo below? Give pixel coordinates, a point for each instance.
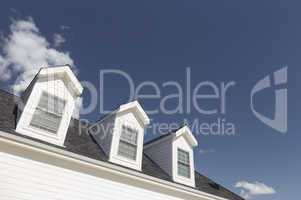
(48, 113)
(124, 130)
(183, 163)
(47, 105)
(128, 143)
(174, 154)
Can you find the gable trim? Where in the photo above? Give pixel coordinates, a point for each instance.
(137, 109)
(185, 131)
(65, 72)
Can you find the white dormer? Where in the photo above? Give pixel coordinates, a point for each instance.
(121, 135)
(174, 153)
(48, 104)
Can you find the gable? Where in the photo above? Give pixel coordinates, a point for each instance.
(64, 73)
(182, 143)
(185, 132)
(130, 118)
(137, 110)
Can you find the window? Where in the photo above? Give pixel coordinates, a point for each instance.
(128, 143)
(48, 113)
(183, 163)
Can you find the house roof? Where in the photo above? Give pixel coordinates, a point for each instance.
(80, 142)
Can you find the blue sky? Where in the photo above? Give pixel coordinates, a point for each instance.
(220, 41)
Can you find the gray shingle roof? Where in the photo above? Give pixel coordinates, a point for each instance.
(77, 141)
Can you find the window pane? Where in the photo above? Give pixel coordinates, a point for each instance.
(183, 170)
(183, 157)
(129, 135)
(128, 143)
(48, 113)
(183, 163)
(127, 150)
(46, 121)
(51, 103)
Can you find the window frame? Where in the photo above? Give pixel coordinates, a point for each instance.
(126, 142)
(48, 111)
(179, 163)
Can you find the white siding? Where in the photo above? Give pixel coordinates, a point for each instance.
(161, 153)
(25, 179)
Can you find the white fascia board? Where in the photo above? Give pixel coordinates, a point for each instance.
(185, 131)
(100, 165)
(135, 105)
(65, 72)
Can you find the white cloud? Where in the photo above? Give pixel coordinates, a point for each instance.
(25, 50)
(249, 190)
(58, 40)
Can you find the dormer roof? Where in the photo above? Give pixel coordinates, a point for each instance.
(185, 132)
(65, 73)
(135, 107)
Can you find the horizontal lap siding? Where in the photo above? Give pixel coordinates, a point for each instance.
(24, 179)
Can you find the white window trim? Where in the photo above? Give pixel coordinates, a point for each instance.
(124, 141)
(24, 127)
(187, 165)
(119, 159)
(65, 85)
(47, 111)
(189, 148)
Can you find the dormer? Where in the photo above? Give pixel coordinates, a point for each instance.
(47, 105)
(121, 135)
(174, 154)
